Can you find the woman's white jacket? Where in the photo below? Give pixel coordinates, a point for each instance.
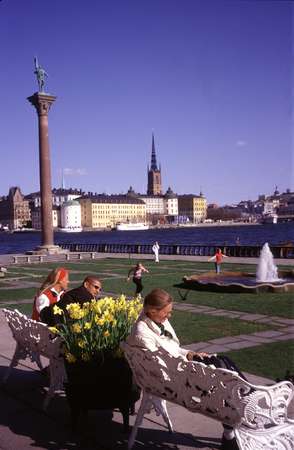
(145, 333)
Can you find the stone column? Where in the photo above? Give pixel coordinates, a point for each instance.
(42, 102)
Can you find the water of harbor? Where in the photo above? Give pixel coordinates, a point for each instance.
(274, 234)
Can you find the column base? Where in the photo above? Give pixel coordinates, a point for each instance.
(47, 250)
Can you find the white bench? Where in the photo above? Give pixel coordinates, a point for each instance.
(258, 414)
(33, 339)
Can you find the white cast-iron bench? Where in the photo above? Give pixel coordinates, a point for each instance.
(258, 414)
(34, 339)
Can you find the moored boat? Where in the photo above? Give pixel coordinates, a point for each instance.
(71, 229)
(131, 226)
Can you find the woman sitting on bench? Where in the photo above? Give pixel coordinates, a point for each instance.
(153, 331)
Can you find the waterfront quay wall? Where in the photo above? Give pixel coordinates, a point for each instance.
(238, 251)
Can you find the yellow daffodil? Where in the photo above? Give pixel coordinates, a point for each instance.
(70, 358)
(57, 310)
(53, 330)
(99, 320)
(75, 311)
(81, 343)
(76, 328)
(96, 326)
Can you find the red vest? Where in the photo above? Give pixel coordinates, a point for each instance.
(52, 297)
(218, 258)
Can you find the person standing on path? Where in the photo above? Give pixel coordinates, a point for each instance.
(155, 249)
(137, 271)
(218, 258)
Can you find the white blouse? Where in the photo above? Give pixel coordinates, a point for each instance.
(145, 333)
(42, 301)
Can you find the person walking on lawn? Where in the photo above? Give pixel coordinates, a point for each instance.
(137, 271)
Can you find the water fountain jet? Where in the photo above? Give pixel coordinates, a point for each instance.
(267, 271)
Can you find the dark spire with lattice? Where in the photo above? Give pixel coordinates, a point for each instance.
(153, 156)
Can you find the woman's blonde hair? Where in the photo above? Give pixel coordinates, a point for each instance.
(52, 279)
(157, 299)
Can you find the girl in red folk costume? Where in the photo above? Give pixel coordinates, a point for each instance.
(50, 292)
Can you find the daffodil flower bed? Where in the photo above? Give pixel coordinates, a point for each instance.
(95, 327)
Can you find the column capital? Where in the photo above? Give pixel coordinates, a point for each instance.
(42, 102)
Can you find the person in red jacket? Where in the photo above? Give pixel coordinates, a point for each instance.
(50, 292)
(218, 258)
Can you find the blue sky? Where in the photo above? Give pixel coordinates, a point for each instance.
(212, 79)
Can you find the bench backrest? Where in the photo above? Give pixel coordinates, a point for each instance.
(217, 393)
(33, 336)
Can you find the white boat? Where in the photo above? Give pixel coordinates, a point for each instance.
(131, 226)
(71, 230)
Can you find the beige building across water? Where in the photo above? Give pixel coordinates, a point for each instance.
(104, 211)
(193, 206)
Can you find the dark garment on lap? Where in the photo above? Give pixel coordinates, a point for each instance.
(220, 362)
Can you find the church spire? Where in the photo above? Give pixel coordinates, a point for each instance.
(153, 156)
(154, 186)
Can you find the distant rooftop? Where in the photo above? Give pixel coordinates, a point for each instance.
(103, 198)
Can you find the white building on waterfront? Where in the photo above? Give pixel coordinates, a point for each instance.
(171, 203)
(71, 216)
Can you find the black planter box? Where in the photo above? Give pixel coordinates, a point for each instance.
(103, 384)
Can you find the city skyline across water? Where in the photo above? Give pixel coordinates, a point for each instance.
(210, 79)
(76, 190)
(209, 235)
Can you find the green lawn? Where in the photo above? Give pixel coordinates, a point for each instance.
(164, 275)
(270, 304)
(199, 327)
(270, 360)
(26, 309)
(17, 294)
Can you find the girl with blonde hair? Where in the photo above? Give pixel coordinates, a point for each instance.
(50, 292)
